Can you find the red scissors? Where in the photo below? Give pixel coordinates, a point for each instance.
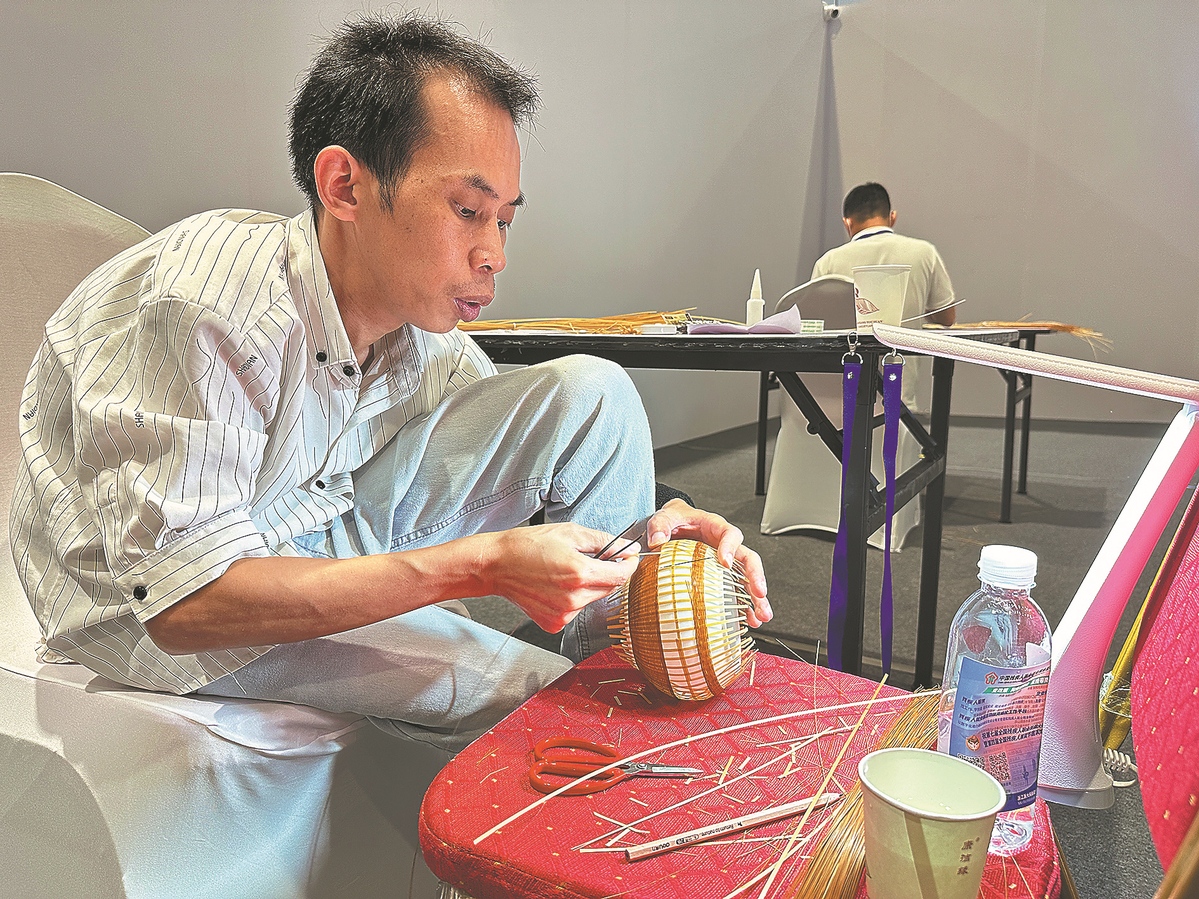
(592, 757)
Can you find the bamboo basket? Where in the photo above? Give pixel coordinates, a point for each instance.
(681, 621)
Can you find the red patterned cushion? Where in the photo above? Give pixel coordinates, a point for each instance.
(1165, 709)
(605, 700)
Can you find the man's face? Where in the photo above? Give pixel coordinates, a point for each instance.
(432, 259)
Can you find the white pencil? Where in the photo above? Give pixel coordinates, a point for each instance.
(645, 850)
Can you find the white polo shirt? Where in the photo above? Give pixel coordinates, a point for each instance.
(929, 287)
(196, 400)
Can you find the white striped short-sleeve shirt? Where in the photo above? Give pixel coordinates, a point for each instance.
(196, 400)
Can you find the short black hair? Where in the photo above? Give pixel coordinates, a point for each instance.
(866, 201)
(364, 93)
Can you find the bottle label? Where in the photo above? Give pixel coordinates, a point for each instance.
(997, 717)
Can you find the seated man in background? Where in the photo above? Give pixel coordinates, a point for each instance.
(870, 223)
(257, 452)
(804, 493)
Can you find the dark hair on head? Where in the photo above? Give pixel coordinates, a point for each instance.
(364, 93)
(866, 201)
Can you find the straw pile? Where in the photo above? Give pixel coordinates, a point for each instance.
(835, 868)
(1090, 335)
(628, 323)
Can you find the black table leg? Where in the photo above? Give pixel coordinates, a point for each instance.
(1009, 437)
(930, 552)
(763, 403)
(856, 506)
(1030, 343)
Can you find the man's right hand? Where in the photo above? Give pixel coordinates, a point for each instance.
(551, 573)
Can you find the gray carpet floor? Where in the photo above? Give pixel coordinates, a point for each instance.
(1079, 478)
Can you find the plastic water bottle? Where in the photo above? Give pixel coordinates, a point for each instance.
(993, 693)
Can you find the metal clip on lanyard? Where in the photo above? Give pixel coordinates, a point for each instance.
(839, 590)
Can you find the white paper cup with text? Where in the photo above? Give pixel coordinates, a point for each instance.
(928, 819)
(878, 292)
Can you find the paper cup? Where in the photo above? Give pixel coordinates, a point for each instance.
(878, 292)
(928, 819)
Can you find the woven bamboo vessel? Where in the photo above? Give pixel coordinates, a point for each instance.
(681, 621)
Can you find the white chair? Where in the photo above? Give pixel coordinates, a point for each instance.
(108, 791)
(804, 491)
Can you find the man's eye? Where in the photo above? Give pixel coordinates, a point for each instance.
(464, 212)
(504, 226)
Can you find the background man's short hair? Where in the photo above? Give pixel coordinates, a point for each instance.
(364, 93)
(866, 201)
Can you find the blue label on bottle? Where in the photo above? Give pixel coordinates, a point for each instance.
(997, 716)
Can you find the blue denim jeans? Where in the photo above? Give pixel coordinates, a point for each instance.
(568, 436)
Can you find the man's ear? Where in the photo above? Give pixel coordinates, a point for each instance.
(848, 223)
(894, 215)
(339, 182)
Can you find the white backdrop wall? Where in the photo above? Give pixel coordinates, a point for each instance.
(1048, 147)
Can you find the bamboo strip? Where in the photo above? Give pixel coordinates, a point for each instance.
(637, 756)
(823, 786)
(719, 787)
(708, 792)
(835, 869)
(1090, 335)
(745, 822)
(627, 323)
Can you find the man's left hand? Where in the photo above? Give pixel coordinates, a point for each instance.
(676, 520)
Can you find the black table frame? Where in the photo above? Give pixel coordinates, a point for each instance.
(1019, 396)
(788, 356)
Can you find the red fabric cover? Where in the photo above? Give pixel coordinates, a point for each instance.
(604, 699)
(1165, 710)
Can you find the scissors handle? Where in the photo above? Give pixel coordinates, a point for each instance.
(592, 757)
(558, 768)
(562, 742)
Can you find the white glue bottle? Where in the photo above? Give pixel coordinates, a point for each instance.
(993, 693)
(755, 305)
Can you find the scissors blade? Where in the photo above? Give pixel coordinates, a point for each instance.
(647, 770)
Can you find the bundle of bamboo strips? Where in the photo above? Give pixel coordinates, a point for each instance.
(628, 323)
(1090, 335)
(835, 868)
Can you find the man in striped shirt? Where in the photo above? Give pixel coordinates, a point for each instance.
(257, 453)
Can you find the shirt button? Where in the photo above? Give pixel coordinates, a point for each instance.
(139, 593)
(350, 371)
(320, 485)
(321, 356)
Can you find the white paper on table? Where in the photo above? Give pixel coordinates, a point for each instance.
(788, 321)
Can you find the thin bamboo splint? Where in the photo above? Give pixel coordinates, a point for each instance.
(628, 323)
(1090, 335)
(835, 868)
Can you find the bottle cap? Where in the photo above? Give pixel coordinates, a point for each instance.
(1007, 566)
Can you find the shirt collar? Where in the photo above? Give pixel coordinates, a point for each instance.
(870, 232)
(328, 343)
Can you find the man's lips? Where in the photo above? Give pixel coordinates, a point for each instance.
(470, 308)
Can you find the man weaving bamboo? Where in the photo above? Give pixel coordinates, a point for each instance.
(258, 453)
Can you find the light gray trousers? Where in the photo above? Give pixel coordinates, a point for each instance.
(569, 436)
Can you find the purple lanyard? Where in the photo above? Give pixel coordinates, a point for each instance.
(839, 590)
